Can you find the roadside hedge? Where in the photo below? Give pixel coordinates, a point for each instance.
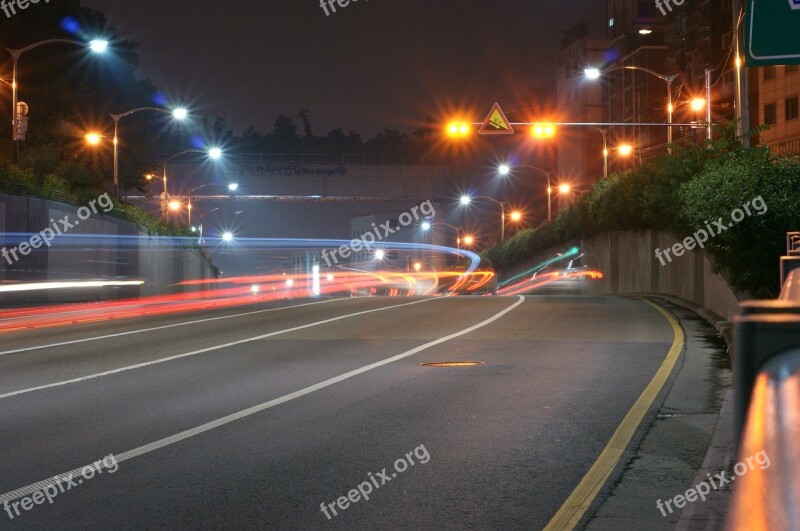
(680, 194)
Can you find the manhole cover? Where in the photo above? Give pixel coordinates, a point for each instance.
(452, 364)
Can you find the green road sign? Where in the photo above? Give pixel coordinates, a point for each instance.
(772, 32)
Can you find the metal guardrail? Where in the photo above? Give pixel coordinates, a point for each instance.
(767, 374)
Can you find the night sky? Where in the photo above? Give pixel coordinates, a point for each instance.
(372, 65)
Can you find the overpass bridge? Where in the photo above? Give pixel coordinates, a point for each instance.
(305, 178)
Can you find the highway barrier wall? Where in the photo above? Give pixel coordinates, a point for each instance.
(629, 265)
(116, 250)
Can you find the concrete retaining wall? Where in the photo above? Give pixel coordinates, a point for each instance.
(629, 265)
(119, 250)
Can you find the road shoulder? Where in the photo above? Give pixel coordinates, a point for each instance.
(675, 446)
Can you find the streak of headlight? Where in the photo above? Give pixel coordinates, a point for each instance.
(41, 286)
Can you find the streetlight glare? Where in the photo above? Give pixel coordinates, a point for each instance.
(592, 73)
(227, 236)
(625, 150)
(180, 113)
(233, 187)
(174, 205)
(215, 153)
(465, 199)
(425, 225)
(417, 266)
(516, 215)
(98, 45)
(504, 169)
(93, 138)
(698, 104)
(379, 254)
(468, 240)
(564, 188)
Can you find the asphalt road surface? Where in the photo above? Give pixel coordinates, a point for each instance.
(269, 416)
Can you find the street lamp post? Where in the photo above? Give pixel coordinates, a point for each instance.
(465, 200)
(232, 187)
(594, 73)
(178, 113)
(97, 46)
(504, 169)
(214, 153)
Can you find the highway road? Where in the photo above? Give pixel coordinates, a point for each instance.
(317, 414)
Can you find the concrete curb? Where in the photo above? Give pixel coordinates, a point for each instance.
(710, 514)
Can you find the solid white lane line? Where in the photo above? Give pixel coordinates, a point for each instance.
(172, 439)
(203, 350)
(164, 327)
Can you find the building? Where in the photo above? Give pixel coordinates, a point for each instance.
(778, 92)
(580, 154)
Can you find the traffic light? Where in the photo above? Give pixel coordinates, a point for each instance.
(543, 130)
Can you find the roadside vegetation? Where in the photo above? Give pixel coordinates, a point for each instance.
(680, 194)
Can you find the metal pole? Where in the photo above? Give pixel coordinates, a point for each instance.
(190, 211)
(669, 115)
(14, 117)
(502, 222)
(605, 154)
(708, 104)
(116, 157)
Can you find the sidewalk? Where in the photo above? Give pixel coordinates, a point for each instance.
(690, 435)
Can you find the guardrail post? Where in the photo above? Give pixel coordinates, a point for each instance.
(762, 330)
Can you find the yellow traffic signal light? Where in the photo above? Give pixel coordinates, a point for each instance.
(543, 130)
(458, 129)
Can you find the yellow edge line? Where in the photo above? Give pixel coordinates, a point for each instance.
(584, 494)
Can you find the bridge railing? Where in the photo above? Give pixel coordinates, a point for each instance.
(767, 374)
(305, 158)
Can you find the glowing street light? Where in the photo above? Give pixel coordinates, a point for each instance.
(213, 153)
(379, 254)
(233, 186)
(698, 104)
(595, 73)
(178, 113)
(94, 138)
(564, 188)
(227, 236)
(468, 240)
(174, 205)
(466, 200)
(417, 266)
(516, 215)
(97, 46)
(505, 169)
(625, 149)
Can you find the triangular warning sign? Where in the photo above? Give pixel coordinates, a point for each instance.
(496, 123)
